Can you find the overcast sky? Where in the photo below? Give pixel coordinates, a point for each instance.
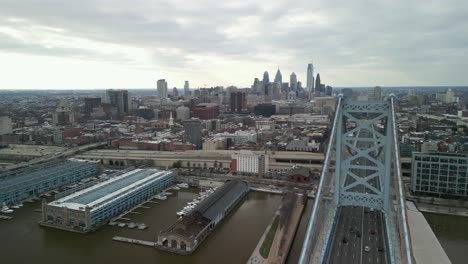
(130, 44)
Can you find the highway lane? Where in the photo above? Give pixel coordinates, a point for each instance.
(347, 246)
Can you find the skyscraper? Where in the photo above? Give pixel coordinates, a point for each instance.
(186, 88)
(162, 88)
(377, 92)
(120, 100)
(318, 84)
(278, 77)
(266, 80)
(193, 131)
(310, 78)
(175, 92)
(293, 82)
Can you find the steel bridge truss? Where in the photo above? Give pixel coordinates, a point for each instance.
(362, 145)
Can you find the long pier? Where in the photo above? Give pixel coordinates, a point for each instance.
(134, 241)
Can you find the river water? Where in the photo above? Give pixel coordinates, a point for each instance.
(452, 232)
(22, 240)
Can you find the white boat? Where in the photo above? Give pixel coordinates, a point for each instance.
(183, 185)
(5, 209)
(175, 188)
(131, 225)
(180, 213)
(167, 193)
(141, 226)
(15, 206)
(121, 225)
(160, 197)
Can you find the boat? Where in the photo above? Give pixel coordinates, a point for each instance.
(112, 223)
(15, 206)
(167, 193)
(121, 225)
(183, 185)
(141, 227)
(180, 213)
(131, 225)
(160, 197)
(175, 188)
(5, 209)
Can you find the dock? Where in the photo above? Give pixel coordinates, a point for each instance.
(134, 241)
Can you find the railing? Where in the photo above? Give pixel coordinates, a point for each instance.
(402, 221)
(319, 214)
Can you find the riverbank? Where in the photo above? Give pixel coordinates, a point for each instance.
(440, 205)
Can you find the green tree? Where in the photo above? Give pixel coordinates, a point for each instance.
(177, 164)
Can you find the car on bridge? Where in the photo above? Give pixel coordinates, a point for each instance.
(372, 231)
(366, 248)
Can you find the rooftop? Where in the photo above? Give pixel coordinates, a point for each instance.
(104, 192)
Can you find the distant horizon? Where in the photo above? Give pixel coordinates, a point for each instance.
(195, 88)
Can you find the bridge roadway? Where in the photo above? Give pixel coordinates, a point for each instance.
(350, 221)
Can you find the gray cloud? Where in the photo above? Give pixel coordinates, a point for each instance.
(403, 37)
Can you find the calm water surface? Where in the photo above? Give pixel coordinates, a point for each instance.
(22, 240)
(452, 232)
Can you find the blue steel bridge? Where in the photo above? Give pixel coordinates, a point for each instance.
(359, 213)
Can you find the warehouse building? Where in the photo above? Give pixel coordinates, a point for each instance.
(31, 181)
(185, 235)
(86, 210)
(440, 174)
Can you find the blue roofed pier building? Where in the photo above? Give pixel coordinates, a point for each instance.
(31, 181)
(88, 209)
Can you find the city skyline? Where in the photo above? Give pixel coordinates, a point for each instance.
(92, 44)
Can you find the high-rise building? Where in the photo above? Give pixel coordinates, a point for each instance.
(237, 102)
(278, 77)
(258, 86)
(162, 88)
(120, 100)
(6, 126)
(175, 92)
(193, 131)
(90, 103)
(318, 85)
(293, 82)
(328, 90)
(266, 81)
(310, 78)
(186, 88)
(183, 113)
(377, 92)
(63, 115)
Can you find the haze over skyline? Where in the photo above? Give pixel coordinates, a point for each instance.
(122, 44)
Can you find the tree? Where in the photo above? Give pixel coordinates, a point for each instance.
(177, 164)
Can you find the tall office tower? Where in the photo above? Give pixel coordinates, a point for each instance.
(377, 92)
(258, 86)
(175, 92)
(278, 77)
(6, 126)
(193, 129)
(266, 80)
(310, 78)
(238, 102)
(91, 103)
(186, 88)
(318, 84)
(183, 113)
(120, 100)
(162, 88)
(63, 115)
(293, 82)
(328, 90)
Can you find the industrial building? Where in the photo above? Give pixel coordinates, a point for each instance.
(441, 174)
(86, 210)
(31, 181)
(185, 235)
